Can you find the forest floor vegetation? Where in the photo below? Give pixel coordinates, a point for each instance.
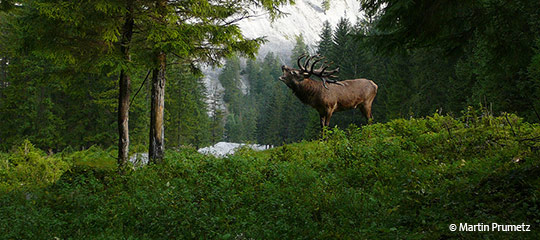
(407, 178)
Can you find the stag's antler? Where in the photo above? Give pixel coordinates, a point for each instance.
(320, 72)
(298, 62)
(306, 64)
(326, 75)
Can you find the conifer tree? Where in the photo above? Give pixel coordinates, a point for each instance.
(67, 45)
(187, 121)
(125, 87)
(216, 116)
(270, 125)
(253, 74)
(230, 80)
(325, 44)
(242, 108)
(269, 116)
(299, 48)
(340, 42)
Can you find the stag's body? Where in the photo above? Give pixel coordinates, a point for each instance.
(343, 95)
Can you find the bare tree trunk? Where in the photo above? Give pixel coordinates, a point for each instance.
(123, 96)
(157, 136)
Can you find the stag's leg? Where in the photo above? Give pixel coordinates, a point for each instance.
(328, 116)
(366, 110)
(322, 117)
(323, 120)
(363, 110)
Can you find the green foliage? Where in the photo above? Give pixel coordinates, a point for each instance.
(187, 120)
(27, 168)
(283, 118)
(203, 33)
(325, 44)
(299, 48)
(216, 117)
(326, 5)
(91, 158)
(230, 80)
(59, 88)
(405, 179)
(484, 49)
(242, 110)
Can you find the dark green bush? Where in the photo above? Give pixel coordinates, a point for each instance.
(403, 179)
(28, 167)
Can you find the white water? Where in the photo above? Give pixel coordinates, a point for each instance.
(222, 149)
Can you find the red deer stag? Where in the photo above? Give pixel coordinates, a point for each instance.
(334, 97)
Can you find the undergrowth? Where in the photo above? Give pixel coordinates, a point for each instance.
(405, 179)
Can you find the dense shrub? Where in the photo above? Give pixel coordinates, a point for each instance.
(28, 167)
(403, 179)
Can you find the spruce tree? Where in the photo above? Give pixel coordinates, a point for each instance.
(270, 106)
(340, 42)
(299, 48)
(187, 121)
(125, 87)
(325, 44)
(69, 47)
(230, 80)
(216, 117)
(270, 125)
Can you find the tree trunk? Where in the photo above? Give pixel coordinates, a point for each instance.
(123, 96)
(156, 150)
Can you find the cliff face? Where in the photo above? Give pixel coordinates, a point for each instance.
(305, 18)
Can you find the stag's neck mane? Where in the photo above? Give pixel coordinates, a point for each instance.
(307, 90)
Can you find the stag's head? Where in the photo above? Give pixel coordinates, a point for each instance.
(292, 76)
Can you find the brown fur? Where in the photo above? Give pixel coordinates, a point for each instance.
(351, 94)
